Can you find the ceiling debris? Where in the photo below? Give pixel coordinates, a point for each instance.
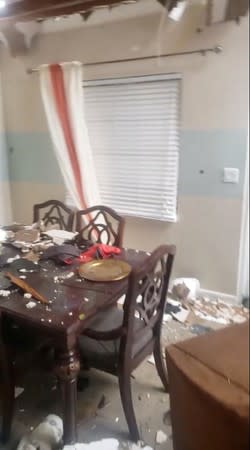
(226, 10)
(217, 11)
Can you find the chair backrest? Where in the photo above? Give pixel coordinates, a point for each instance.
(104, 225)
(145, 300)
(54, 213)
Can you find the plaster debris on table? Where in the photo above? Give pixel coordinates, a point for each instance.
(10, 260)
(31, 305)
(23, 277)
(27, 295)
(26, 270)
(4, 293)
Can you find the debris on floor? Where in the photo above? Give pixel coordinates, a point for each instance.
(103, 403)
(184, 288)
(106, 444)
(47, 436)
(160, 437)
(167, 418)
(18, 391)
(199, 329)
(187, 307)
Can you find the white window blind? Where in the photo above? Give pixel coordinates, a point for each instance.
(133, 127)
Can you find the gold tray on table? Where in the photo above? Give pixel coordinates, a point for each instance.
(105, 270)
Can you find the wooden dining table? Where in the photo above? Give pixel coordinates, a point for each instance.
(73, 305)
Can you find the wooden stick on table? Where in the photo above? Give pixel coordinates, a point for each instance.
(26, 287)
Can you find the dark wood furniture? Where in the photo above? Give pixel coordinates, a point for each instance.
(64, 321)
(125, 338)
(103, 225)
(20, 348)
(209, 390)
(54, 212)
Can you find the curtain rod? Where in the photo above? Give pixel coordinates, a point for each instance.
(202, 51)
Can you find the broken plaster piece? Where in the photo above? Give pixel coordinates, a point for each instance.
(160, 437)
(10, 260)
(139, 446)
(105, 444)
(151, 360)
(27, 295)
(4, 293)
(18, 391)
(31, 305)
(167, 318)
(181, 316)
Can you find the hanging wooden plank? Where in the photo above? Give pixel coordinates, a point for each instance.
(26, 10)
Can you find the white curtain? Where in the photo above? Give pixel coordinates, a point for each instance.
(5, 199)
(62, 95)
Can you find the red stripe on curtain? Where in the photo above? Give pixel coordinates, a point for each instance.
(57, 81)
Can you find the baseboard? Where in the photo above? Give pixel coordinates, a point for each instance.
(213, 295)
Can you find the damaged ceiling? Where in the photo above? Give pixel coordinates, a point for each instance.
(21, 20)
(28, 10)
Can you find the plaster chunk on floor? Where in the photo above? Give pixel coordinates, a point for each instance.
(106, 444)
(160, 437)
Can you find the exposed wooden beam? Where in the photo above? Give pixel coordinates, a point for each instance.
(31, 10)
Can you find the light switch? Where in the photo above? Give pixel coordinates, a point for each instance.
(231, 175)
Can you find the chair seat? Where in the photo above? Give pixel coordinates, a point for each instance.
(102, 354)
(106, 321)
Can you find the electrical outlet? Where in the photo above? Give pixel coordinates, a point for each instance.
(231, 175)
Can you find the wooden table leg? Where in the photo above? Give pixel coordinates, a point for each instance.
(67, 370)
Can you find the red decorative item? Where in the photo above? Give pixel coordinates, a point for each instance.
(102, 251)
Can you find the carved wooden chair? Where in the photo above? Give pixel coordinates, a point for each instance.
(54, 212)
(104, 225)
(120, 343)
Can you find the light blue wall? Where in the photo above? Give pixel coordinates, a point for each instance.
(32, 159)
(3, 159)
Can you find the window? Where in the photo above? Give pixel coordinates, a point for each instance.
(134, 131)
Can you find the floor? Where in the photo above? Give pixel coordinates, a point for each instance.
(41, 397)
